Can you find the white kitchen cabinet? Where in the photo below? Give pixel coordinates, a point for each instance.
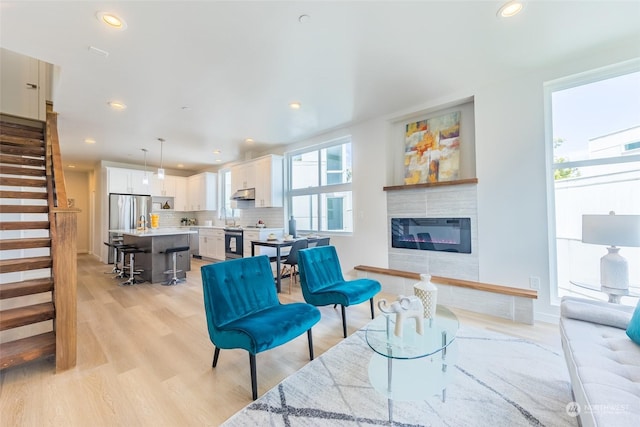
(260, 234)
(180, 200)
(127, 181)
(265, 174)
(269, 182)
(218, 244)
(243, 176)
(211, 243)
(162, 187)
(202, 192)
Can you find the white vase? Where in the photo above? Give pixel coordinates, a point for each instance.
(428, 294)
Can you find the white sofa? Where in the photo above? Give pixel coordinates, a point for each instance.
(603, 362)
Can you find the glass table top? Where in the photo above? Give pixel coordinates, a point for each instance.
(438, 333)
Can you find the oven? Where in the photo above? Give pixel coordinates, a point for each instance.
(233, 243)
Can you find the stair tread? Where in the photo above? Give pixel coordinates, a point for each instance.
(24, 225)
(26, 315)
(21, 140)
(25, 243)
(26, 287)
(22, 150)
(13, 159)
(29, 195)
(23, 171)
(24, 208)
(22, 182)
(24, 264)
(20, 351)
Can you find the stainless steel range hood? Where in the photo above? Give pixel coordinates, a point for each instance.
(244, 194)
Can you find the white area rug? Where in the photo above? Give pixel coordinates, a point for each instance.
(497, 381)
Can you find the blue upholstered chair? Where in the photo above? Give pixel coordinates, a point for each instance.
(243, 310)
(322, 282)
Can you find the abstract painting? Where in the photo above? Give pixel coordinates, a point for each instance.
(432, 149)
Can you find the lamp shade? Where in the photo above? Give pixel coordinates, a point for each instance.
(612, 229)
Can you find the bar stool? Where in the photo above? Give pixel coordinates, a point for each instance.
(116, 269)
(131, 251)
(119, 253)
(174, 252)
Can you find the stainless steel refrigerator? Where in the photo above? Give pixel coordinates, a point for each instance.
(125, 211)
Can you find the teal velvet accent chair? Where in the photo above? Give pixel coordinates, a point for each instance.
(243, 310)
(322, 282)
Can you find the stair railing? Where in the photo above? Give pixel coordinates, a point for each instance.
(63, 233)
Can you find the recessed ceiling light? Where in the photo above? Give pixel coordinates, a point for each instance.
(304, 19)
(112, 20)
(295, 105)
(216, 151)
(218, 160)
(117, 105)
(248, 140)
(72, 166)
(510, 9)
(90, 141)
(180, 165)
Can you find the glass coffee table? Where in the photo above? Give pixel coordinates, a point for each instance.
(412, 367)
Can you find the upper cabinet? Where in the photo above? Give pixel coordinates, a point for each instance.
(181, 199)
(243, 176)
(265, 174)
(202, 192)
(127, 181)
(163, 187)
(269, 182)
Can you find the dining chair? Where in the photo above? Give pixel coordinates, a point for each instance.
(322, 282)
(323, 241)
(291, 262)
(243, 310)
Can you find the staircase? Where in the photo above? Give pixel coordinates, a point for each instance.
(37, 295)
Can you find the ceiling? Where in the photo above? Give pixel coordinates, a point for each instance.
(206, 75)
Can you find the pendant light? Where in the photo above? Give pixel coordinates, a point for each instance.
(145, 179)
(160, 169)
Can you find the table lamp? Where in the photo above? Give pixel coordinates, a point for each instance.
(613, 230)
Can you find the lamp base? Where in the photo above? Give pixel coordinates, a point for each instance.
(614, 270)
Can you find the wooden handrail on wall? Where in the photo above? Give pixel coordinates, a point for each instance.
(63, 232)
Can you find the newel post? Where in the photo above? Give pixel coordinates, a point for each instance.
(65, 276)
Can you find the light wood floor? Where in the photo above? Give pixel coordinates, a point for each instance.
(144, 358)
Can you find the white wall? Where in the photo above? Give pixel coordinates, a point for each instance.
(511, 171)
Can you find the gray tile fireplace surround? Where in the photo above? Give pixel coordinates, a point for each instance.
(440, 202)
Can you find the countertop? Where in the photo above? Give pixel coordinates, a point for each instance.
(150, 232)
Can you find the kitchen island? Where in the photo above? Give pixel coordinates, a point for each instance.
(153, 261)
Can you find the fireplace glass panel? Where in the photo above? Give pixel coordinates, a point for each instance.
(432, 234)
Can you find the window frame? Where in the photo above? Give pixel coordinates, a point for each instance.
(573, 81)
(320, 189)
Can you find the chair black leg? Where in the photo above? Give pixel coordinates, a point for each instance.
(371, 301)
(254, 381)
(344, 321)
(216, 353)
(310, 344)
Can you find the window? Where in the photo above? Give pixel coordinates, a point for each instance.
(224, 179)
(595, 170)
(320, 187)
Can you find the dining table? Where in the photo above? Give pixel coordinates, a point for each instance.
(278, 244)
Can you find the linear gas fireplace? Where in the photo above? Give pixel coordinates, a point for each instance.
(432, 234)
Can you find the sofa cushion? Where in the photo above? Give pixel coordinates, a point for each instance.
(633, 330)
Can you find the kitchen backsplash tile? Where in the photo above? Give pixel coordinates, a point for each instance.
(272, 217)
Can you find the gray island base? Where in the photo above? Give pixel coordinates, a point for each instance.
(153, 261)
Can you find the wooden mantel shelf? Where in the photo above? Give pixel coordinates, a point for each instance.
(431, 184)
